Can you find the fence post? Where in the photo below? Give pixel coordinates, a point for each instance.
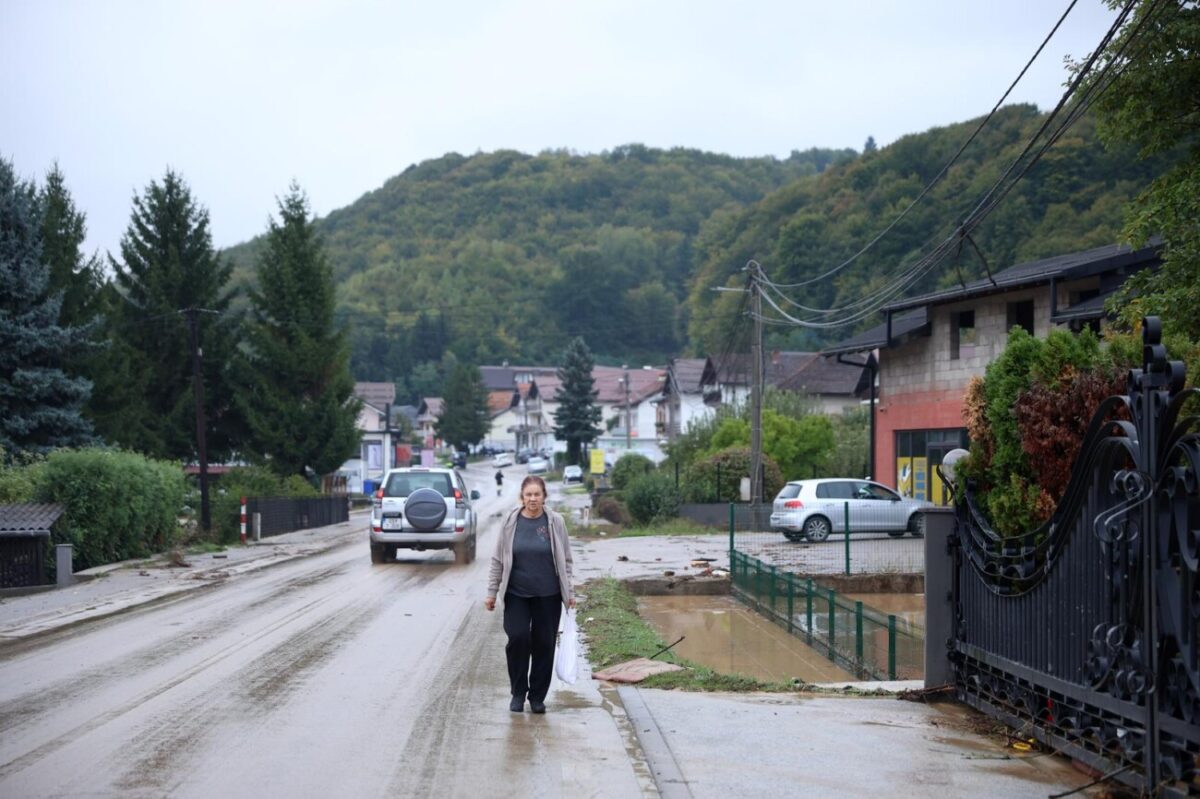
(771, 593)
(791, 588)
(731, 523)
(757, 582)
(939, 608)
(846, 529)
(243, 520)
(808, 595)
(257, 526)
(858, 632)
(64, 564)
(832, 631)
(891, 646)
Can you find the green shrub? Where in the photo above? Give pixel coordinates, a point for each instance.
(18, 482)
(613, 510)
(225, 495)
(119, 505)
(629, 466)
(734, 464)
(652, 497)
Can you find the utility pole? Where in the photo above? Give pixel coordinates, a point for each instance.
(628, 424)
(756, 390)
(198, 392)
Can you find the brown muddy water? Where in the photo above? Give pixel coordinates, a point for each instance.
(726, 636)
(908, 609)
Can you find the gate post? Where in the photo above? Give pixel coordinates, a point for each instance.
(64, 568)
(939, 603)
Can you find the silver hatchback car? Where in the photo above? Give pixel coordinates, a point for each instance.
(813, 509)
(423, 508)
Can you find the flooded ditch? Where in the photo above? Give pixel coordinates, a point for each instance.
(730, 637)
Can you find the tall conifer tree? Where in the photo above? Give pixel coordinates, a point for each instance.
(297, 391)
(577, 415)
(39, 402)
(168, 267)
(464, 419)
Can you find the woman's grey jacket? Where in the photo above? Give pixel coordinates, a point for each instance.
(560, 548)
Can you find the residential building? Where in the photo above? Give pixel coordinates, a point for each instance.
(931, 346)
(376, 446)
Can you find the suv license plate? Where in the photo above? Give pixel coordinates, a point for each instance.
(393, 523)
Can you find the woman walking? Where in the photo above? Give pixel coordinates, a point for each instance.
(531, 570)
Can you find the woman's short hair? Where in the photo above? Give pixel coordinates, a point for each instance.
(533, 478)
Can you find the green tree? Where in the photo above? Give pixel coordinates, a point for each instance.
(168, 266)
(64, 229)
(39, 402)
(296, 393)
(464, 420)
(577, 415)
(1151, 104)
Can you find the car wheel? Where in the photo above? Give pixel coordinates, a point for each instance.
(817, 529)
(389, 552)
(462, 553)
(377, 554)
(916, 525)
(895, 533)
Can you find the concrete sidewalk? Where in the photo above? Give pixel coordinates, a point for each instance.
(695, 744)
(116, 587)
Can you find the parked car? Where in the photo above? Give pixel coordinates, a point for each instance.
(573, 474)
(538, 465)
(423, 508)
(459, 460)
(813, 509)
(524, 454)
(501, 459)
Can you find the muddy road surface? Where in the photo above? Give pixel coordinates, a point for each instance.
(326, 676)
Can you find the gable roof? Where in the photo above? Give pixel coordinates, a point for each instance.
(431, 407)
(501, 400)
(1071, 266)
(689, 374)
(825, 376)
(498, 377)
(29, 519)
(379, 395)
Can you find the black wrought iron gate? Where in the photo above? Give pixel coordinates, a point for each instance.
(1083, 632)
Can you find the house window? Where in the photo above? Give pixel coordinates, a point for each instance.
(962, 334)
(1020, 314)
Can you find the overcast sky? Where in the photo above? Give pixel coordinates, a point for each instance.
(242, 97)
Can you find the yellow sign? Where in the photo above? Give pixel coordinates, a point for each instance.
(597, 461)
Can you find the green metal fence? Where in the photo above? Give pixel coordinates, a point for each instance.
(854, 636)
(859, 539)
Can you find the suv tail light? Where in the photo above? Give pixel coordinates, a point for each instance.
(793, 503)
(378, 501)
(458, 498)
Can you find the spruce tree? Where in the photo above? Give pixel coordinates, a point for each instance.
(296, 392)
(39, 402)
(464, 420)
(167, 267)
(577, 415)
(64, 229)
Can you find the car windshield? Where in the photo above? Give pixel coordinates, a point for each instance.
(403, 484)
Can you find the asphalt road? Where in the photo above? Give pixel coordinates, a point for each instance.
(323, 676)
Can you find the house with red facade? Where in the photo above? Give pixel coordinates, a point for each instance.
(929, 347)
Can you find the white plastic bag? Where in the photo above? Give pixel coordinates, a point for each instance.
(566, 659)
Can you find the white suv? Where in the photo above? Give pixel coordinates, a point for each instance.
(813, 509)
(423, 508)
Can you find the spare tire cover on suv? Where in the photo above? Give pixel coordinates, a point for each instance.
(425, 509)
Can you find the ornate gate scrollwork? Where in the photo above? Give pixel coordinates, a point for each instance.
(1084, 631)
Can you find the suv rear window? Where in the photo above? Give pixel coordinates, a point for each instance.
(789, 491)
(401, 485)
(842, 489)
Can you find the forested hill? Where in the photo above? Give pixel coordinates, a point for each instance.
(1072, 199)
(504, 255)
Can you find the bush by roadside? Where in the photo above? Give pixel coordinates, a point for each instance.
(652, 497)
(613, 510)
(628, 468)
(119, 505)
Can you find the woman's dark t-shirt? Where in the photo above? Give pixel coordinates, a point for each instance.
(533, 573)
